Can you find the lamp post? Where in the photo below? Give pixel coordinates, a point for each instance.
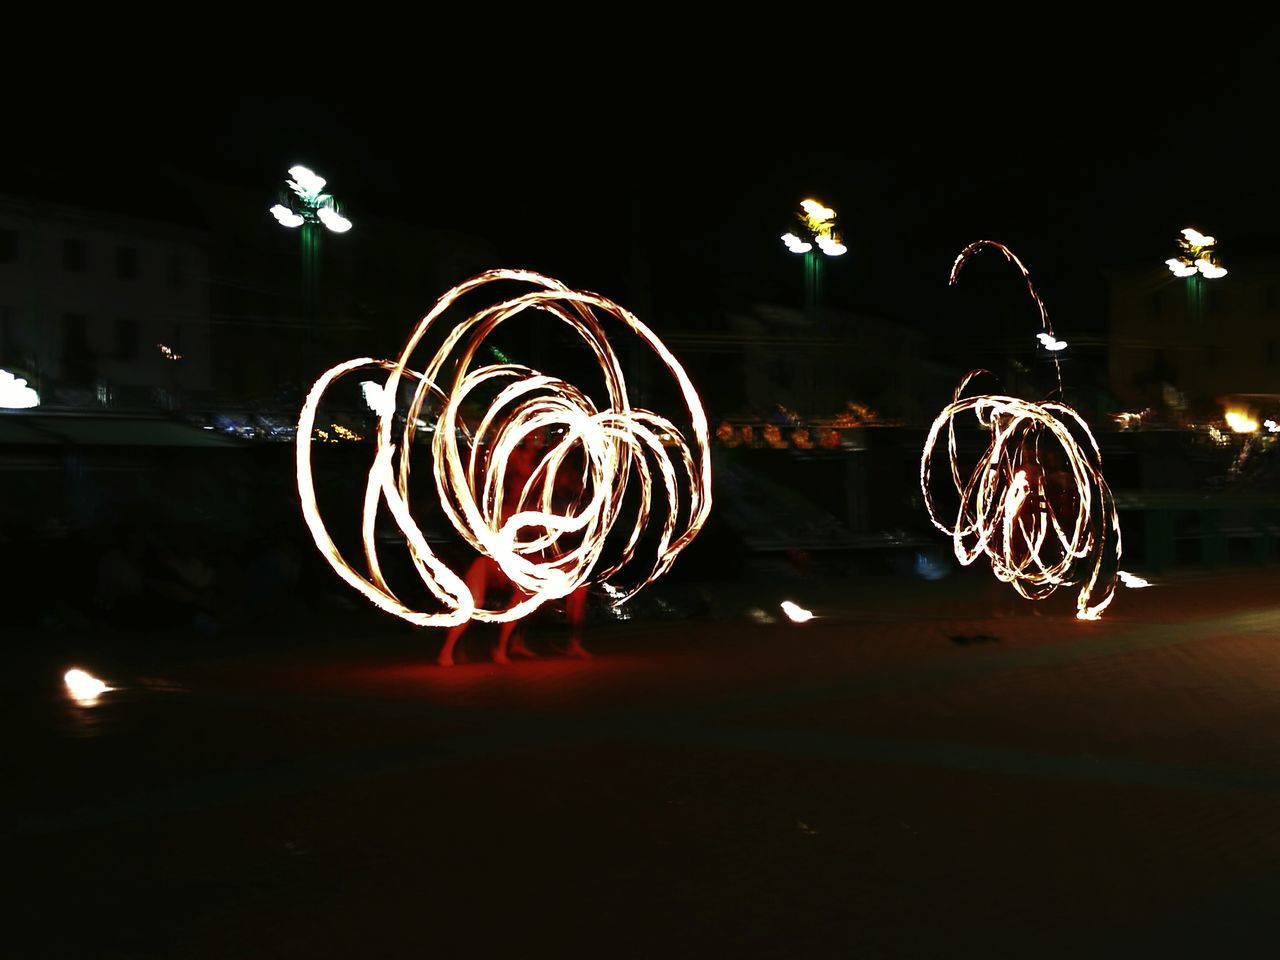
(1196, 262)
(817, 229)
(309, 207)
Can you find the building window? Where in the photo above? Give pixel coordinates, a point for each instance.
(8, 246)
(75, 254)
(8, 343)
(126, 339)
(77, 358)
(126, 263)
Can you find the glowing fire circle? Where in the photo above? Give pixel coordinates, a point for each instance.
(1035, 503)
(548, 548)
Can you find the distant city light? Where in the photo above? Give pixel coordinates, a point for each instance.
(1240, 421)
(84, 688)
(15, 394)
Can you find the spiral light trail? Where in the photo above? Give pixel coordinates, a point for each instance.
(1036, 502)
(546, 547)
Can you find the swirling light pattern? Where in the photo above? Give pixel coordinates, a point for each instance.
(1036, 502)
(548, 550)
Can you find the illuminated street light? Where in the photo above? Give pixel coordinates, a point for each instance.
(306, 205)
(1196, 256)
(817, 228)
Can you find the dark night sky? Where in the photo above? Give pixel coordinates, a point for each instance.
(1074, 176)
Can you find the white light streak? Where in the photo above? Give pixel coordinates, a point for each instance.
(796, 613)
(1132, 581)
(84, 688)
(1049, 343)
(547, 552)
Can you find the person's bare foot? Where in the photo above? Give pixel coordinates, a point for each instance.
(445, 659)
(500, 656)
(576, 649)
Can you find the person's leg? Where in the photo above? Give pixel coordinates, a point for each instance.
(575, 608)
(477, 581)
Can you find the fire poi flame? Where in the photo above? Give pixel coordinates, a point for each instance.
(545, 550)
(1035, 503)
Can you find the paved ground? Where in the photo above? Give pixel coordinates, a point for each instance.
(907, 776)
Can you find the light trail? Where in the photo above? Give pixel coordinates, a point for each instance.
(546, 549)
(1035, 503)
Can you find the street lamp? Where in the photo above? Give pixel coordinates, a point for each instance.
(308, 206)
(1196, 262)
(817, 229)
(1196, 256)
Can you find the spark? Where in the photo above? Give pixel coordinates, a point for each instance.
(84, 688)
(796, 613)
(1035, 503)
(546, 552)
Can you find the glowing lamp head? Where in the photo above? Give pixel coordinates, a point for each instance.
(305, 183)
(1198, 239)
(795, 244)
(816, 211)
(832, 248)
(333, 220)
(285, 216)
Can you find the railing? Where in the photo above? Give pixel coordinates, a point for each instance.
(1219, 528)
